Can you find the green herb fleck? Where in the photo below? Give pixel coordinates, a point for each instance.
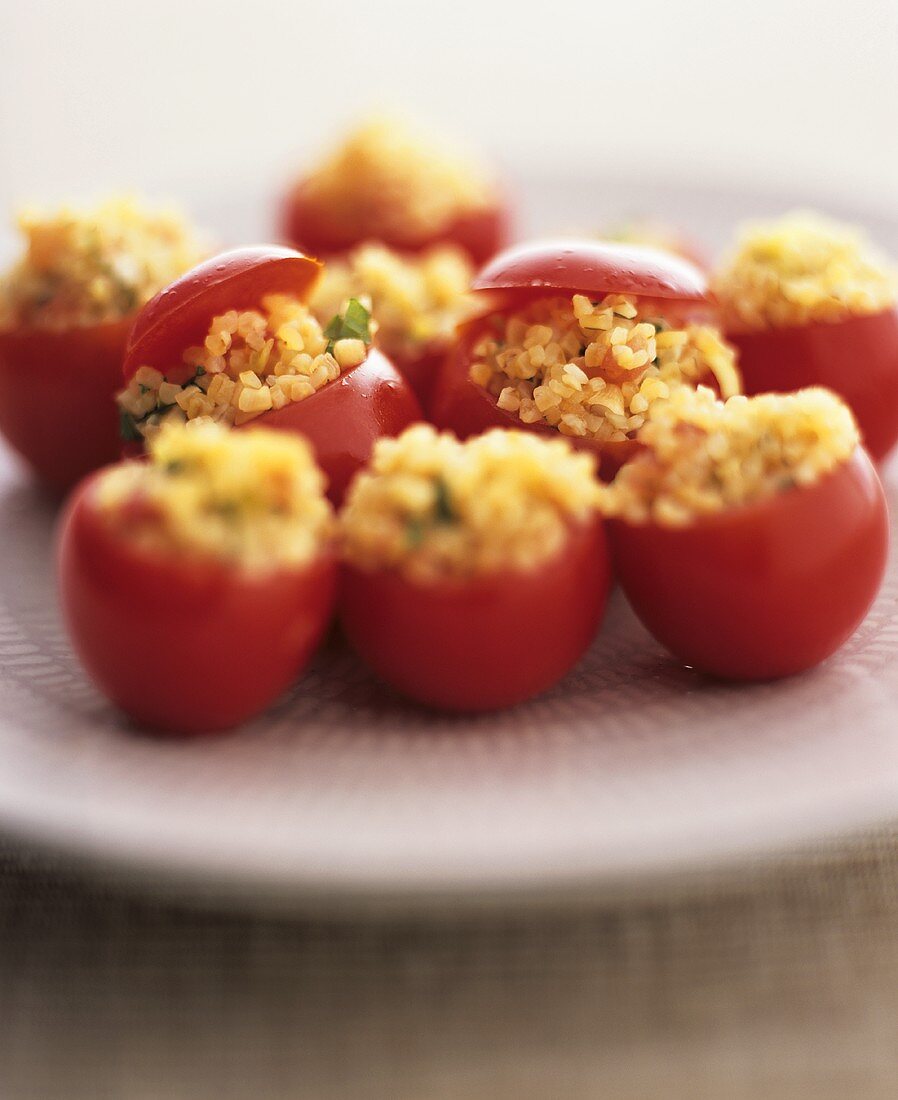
(127, 427)
(442, 509)
(354, 324)
(414, 531)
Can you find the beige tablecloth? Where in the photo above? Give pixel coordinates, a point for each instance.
(781, 983)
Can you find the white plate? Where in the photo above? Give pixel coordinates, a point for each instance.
(629, 773)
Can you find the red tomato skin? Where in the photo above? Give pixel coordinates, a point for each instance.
(57, 391)
(764, 591)
(345, 419)
(459, 405)
(308, 225)
(594, 268)
(857, 358)
(178, 316)
(184, 647)
(421, 370)
(484, 644)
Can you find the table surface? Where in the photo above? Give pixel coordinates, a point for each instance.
(784, 987)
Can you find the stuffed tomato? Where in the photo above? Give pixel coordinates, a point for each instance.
(389, 183)
(196, 585)
(234, 341)
(65, 312)
(750, 537)
(807, 302)
(582, 339)
(418, 300)
(475, 574)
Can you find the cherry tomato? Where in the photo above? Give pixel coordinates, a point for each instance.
(178, 316)
(310, 225)
(857, 358)
(765, 590)
(485, 643)
(542, 268)
(185, 646)
(345, 419)
(461, 406)
(57, 391)
(341, 421)
(421, 370)
(528, 272)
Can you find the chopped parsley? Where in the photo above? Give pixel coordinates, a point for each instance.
(127, 427)
(442, 509)
(414, 531)
(354, 324)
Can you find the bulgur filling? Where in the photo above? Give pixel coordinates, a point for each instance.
(249, 362)
(799, 269)
(431, 507)
(417, 300)
(596, 369)
(253, 499)
(88, 267)
(388, 179)
(704, 455)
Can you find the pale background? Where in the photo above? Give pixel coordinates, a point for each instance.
(184, 97)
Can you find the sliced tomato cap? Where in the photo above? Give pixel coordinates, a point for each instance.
(593, 268)
(178, 316)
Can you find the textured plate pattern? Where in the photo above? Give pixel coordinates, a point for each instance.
(633, 768)
(633, 765)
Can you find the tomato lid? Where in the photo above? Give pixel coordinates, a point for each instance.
(179, 315)
(593, 267)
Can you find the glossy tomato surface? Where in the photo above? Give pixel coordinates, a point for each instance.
(767, 590)
(178, 317)
(57, 398)
(422, 369)
(857, 358)
(181, 646)
(345, 419)
(593, 268)
(482, 644)
(460, 405)
(311, 225)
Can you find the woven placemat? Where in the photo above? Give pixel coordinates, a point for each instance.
(781, 983)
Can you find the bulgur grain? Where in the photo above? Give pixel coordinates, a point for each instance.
(430, 506)
(249, 362)
(388, 179)
(88, 267)
(253, 499)
(417, 300)
(595, 369)
(800, 269)
(703, 455)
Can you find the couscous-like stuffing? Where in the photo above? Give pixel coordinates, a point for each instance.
(250, 361)
(800, 269)
(89, 267)
(417, 300)
(596, 369)
(703, 455)
(252, 499)
(432, 507)
(389, 180)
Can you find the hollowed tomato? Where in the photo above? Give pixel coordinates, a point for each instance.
(341, 421)
(765, 590)
(857, 358)
(185, 646)
(57, 398)
(485, 643)
(310, 225)
(530, 272)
